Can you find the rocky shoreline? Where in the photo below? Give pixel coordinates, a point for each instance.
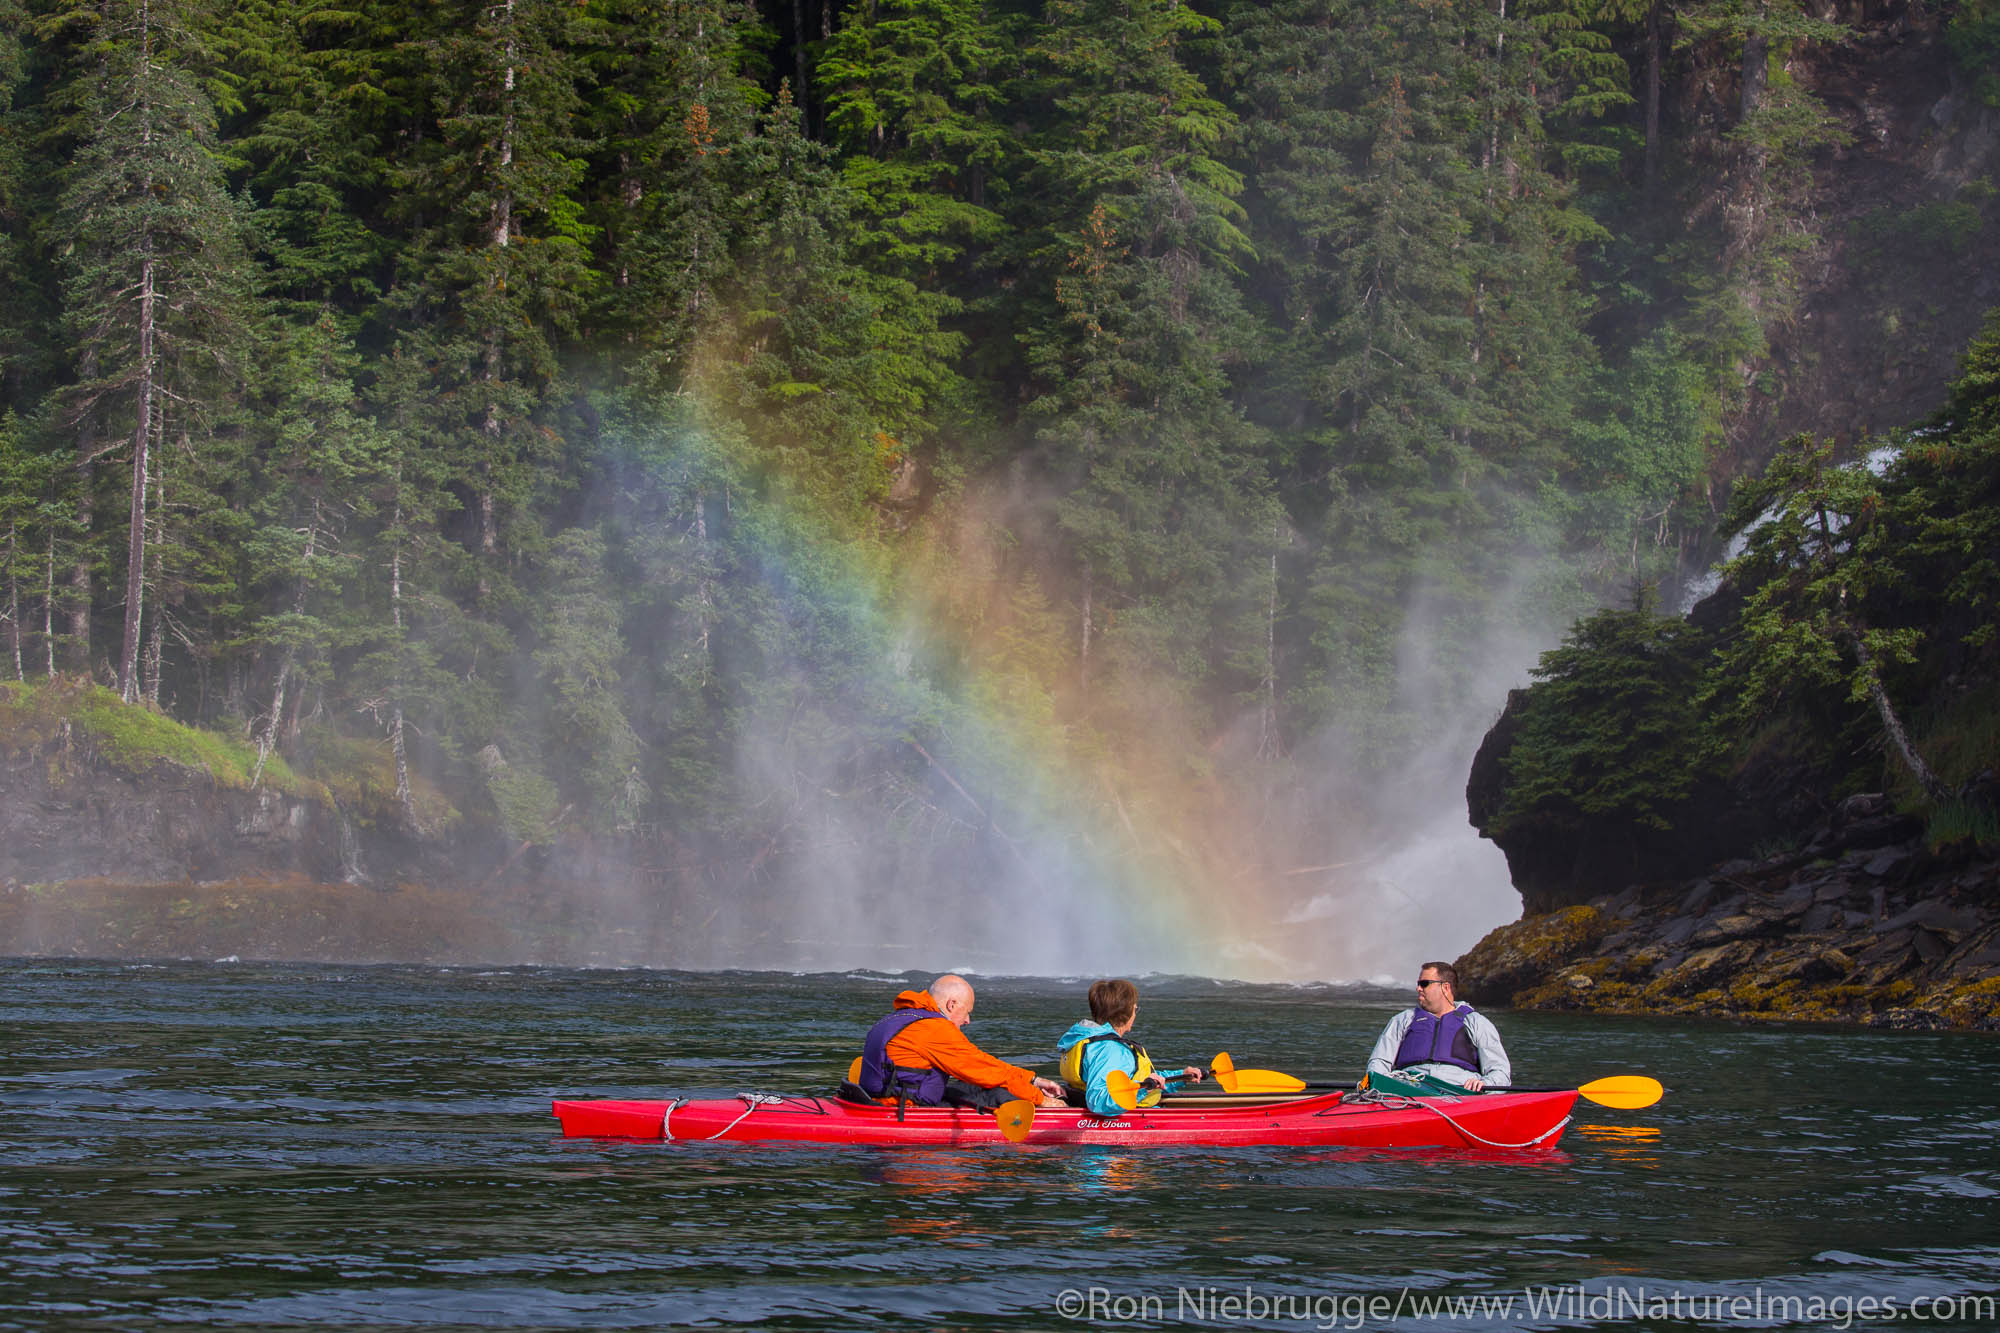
(1866, 924)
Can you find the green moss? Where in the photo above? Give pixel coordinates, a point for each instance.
(29, 719)
(68, 716)
(361, 774)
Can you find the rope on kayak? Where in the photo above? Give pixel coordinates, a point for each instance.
(752, 1101)
(1556, 1128)
(1394, 1102)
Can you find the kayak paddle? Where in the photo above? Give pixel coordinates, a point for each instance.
(1016, 1119)
(1624, 1092)
(1122, 1089)
(1233, 1079)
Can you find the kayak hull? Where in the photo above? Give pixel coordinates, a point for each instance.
(1511, 1121)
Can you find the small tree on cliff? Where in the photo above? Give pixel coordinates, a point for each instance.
(1817, 546)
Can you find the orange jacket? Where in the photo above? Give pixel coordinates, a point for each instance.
(943, 1047)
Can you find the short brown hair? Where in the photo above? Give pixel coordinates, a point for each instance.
(1446, 973)
(1113, 1001)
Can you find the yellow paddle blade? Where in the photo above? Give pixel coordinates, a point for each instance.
(1016, 1119)
(1263, 1081)
(1626, 1092)
(854, 1072)
(1254, 1082)
(1122, 1089)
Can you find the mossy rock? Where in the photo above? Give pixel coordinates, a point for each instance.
(1591, 986)
(1522, 956)
(1973, 1004)
(1697, 976)
(361, 775)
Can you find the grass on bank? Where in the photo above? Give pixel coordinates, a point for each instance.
(70, 720)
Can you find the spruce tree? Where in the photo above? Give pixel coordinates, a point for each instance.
(499, 266)
(154, 274)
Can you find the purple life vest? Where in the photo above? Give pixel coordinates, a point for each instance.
(881, 1078)
(1439, 1040)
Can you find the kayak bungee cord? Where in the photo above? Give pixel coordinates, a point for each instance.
(1392, 1102)
(753, 1100)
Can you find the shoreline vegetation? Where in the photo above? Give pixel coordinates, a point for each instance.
(1867, 924)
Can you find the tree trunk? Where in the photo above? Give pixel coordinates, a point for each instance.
(269, 738)
(502, 237)
(1267, 719)
(142, 428)
(1083, 637)
(14, 604)
(142, 438)
(1654, 39)
(704, 586)
(49, 605)
(1892, 724)
(156, 632)
(78, 610)
(396, 746)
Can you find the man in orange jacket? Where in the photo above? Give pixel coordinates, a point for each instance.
(920, 1053)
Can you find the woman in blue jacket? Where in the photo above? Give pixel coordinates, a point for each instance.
(1094, 1047)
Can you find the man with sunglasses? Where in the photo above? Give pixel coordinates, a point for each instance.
(1443, 1037)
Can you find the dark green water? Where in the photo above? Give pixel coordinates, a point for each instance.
(270, 1146)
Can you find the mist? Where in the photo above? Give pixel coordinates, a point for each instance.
(953, 815)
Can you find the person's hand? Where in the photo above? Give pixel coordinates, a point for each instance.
(1475, 1084)
(1049, 1088)
(1192, 1073)
(1154, 1080)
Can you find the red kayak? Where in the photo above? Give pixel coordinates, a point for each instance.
(1520, 1121)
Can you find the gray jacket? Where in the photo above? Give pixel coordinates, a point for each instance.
(1493, 1063)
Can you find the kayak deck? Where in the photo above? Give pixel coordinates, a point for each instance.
(1519, 1121)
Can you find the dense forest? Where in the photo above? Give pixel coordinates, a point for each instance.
(708, 429)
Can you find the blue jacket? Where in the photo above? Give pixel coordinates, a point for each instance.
(1099, 1059)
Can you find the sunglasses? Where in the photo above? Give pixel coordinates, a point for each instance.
(1430, 981)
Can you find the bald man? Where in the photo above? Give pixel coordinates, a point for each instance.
(920, 1054)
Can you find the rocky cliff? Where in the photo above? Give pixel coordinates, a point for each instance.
(1865, 924)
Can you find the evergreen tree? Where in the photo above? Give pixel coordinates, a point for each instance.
(499, 265)
(154, 276)
(671, 109)
(304, 496)
(1611, 731)
(314, 136)
(1163, 494)
(826, 379)
(590, 741)
(913, 96)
